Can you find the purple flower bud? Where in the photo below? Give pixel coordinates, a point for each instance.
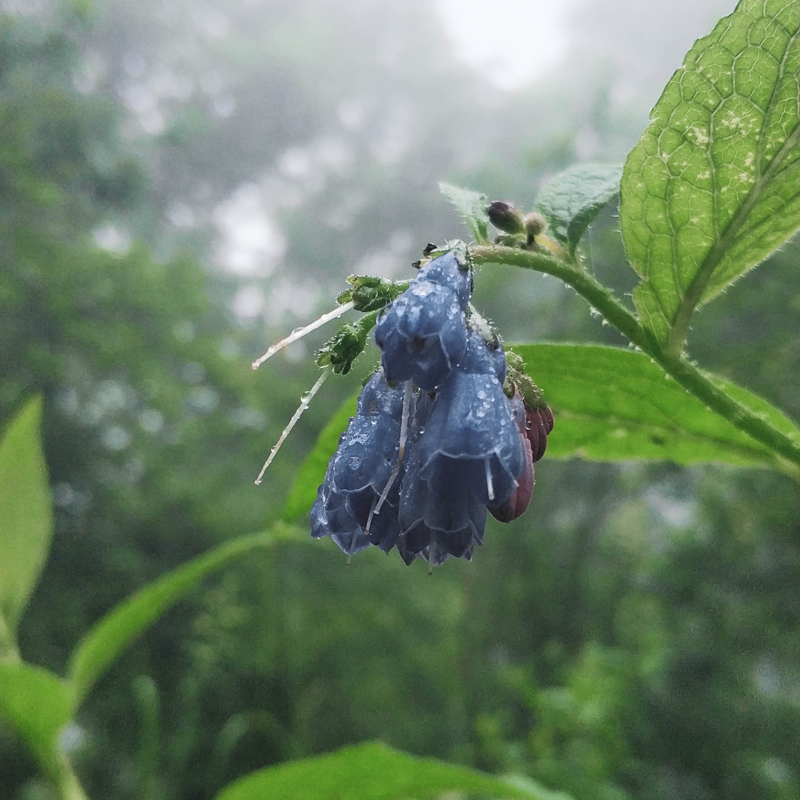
(547, 418)
(516, 505)
(506, 216)
(539, 422)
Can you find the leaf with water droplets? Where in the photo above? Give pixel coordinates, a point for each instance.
(713, 185)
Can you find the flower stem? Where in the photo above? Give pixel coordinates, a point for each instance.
(676, 365)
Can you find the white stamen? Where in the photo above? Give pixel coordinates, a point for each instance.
(489, 485)
(299, 333)
(305, 400)
(403, 436)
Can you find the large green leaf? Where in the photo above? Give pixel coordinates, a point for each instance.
(573, 198)
(312, 472)
(114, 632)
(26, 516)
(375, 772)
(713, 185)
(37, 705)
(613, 405)
(472, 206)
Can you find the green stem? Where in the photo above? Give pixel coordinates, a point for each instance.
(701, 386)
(696, 382)
(573, 275)
(69, 786)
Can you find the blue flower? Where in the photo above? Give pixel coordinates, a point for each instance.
(471, 435)
(448, 271)
(360, 470)
(423, 333)
(466, 453)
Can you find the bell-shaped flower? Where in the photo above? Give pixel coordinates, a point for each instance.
(466, 452)
(437, 526)
(359, 472)
(471, 441)
(423, 335)
(448, 271)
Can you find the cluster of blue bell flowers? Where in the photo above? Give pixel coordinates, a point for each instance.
(418, 468)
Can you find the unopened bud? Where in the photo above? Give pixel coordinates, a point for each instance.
(370, 293)
(547, 418)
(506, 217)
(539, 423)
(521, 497)
(535, 223)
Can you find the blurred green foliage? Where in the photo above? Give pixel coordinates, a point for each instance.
(635, 635)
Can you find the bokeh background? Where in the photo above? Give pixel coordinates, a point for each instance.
(182, 183)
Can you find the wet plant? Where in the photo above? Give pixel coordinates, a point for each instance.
(450, 424)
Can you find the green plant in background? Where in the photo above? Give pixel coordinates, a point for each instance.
(711, 189)
(40, 705)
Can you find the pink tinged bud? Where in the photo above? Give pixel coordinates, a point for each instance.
(547, 418)
(536, 432)
(516, 504)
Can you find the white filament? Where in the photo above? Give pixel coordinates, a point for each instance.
(299, 333)
(489, 484)
(376, 509)
(305, 400)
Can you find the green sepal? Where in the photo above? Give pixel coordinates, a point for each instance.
(370, 293)
(515, 373)
(346, 345)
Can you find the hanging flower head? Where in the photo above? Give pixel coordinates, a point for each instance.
(444, 431)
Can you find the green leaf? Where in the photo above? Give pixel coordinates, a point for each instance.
(113, 633)
(472, 208)
(26, 521)
(573, 198)
(37, 705)
(312, 472)
(374, 771)
(615, 405)
(713, 185)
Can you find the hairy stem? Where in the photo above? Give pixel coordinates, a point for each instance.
(677, 366)
(573, 275)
